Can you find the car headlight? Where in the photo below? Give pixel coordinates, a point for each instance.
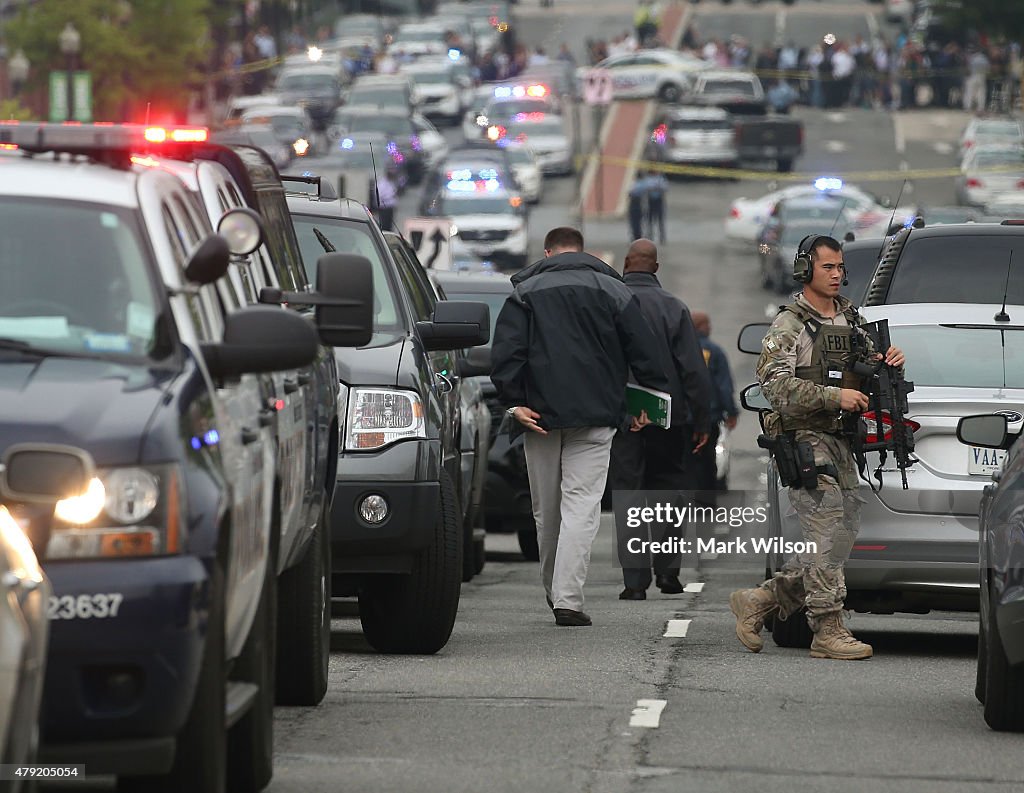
(379, 416)
(131, 511)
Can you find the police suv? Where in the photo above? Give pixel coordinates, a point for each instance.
(120, 335)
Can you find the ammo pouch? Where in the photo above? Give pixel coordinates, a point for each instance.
(795, 461)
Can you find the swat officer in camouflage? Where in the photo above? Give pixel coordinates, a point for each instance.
(805, 373)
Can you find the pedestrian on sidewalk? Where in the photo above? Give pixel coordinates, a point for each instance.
(648, 457)
(656, 185)
(564, 345)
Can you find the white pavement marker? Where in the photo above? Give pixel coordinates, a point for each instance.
(676, 629)
(694, 587)
(835, 146)
(647, 712)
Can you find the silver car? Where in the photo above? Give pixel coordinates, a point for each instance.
(918, 548)
(989, 171)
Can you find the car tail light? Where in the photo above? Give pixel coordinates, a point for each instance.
(872, 436)
(972, 182)
(734, 213)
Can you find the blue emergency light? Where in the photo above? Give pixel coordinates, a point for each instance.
(828, 183)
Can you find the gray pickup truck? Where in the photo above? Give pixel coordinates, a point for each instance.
(760, 137)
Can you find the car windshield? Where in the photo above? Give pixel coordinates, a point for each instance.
(999, 129)
(314, 83)
(825, 211)
(85, 290)
(431, 78)
(729, 87)
(349, 236)
(962, 269)
(418, 36)
(391, 126)
(984, 357)
(380, 95)
(490, 205)
(546, 127)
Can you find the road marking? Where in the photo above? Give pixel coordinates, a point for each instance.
(676, 629)
(897, 132)
(694, 587)
(835, 146)
(941, 147)
(647, 712)
(836, 117)
(780, 27)
(904, 165)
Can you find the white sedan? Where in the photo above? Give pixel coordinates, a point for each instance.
(644, 74)
(747, 216)
(527, 172)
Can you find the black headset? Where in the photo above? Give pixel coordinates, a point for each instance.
(803, 266)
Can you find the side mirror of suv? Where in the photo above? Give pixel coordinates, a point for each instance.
(209, 261)
(456, 324)
(751, 337)
(343, 299)
(262, 339)
(44, 472)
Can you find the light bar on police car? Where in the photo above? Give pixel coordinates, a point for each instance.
(828, 183)
(92, 139)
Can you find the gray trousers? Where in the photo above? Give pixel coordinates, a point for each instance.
(567, 469)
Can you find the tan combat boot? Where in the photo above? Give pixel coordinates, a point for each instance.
(751, 606)
(833, 640)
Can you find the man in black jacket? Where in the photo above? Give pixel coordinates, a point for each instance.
(563, 347)
(653, 458)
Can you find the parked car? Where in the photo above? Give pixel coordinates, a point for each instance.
(304, 414)
(664, 74)
(394, 93)
(507, 493)
(162, 642)
(917, 548)
(396, 536)
(527, 172)
(694, 136)
(987, 130)
(442, 92)
(737, 92)
(25, 592)
(969, 263)
(545, 134)
(399, 129)
(999, 684)
(290, 125)
(989, 171)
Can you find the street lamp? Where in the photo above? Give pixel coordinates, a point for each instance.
(70, 43)
(17, 71)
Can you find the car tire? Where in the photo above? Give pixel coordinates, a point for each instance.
(251, 740)
(1004, 684)
(784, 166)
(304, 621)
(792, 631)
(200, 757)
(415, 613)
(670, 93)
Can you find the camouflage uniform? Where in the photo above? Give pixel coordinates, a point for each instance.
(829, 516)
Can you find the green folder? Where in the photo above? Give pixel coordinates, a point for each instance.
(658, 404)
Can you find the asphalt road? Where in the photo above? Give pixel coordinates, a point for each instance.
(515, 704)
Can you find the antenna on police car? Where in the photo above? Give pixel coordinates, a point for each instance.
(376, 187)
(1002, 316)
(892, 217)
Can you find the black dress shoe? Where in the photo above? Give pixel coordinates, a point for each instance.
(633, 594)
(568, 617)
(669, 584)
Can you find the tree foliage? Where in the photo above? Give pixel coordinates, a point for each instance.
(144, 55)
(995, 18)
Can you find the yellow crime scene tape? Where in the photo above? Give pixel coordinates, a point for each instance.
(712, 172)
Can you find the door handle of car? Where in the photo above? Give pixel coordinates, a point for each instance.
(267, 417)
(250, 435)
(304, 379)
(291, 386)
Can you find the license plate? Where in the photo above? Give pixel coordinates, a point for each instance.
(984, 462)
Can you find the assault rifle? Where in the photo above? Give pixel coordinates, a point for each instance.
(884, 427)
